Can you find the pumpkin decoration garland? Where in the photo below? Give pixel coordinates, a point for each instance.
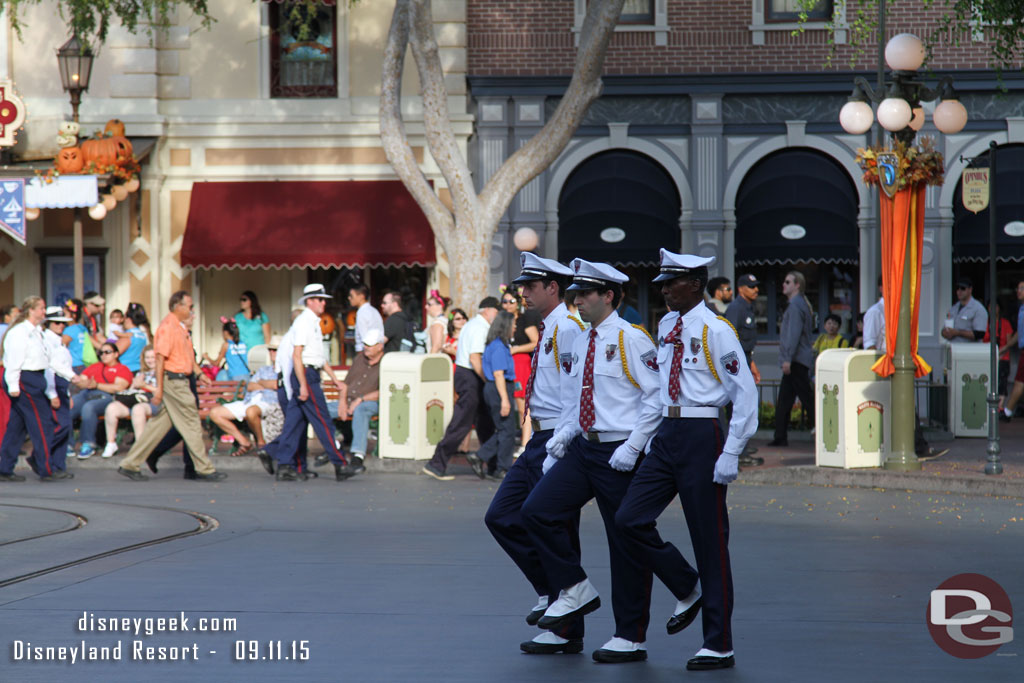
(108, 153)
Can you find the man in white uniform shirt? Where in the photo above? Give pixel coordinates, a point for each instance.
(307, 403)
(874, 323)
(58, 378)
(544, 282)
(701, 366)
(367, 317)
(610, 409)
(469, 385)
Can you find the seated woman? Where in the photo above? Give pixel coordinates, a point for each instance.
(135, 336)
(260, 404)
(98, 382)
(133, 403)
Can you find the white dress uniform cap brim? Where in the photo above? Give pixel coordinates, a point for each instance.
(675, 265)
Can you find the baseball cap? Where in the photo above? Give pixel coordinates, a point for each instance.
(748, 280)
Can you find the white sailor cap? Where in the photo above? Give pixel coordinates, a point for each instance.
(678, 265)
(536, 268)
(589, 275)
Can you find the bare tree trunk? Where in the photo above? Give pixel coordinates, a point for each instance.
(467, 235)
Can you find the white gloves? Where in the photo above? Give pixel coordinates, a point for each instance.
(557, 443)
(726, 468)
(624, 458)
(549, 462)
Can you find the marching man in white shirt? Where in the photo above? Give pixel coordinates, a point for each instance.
(25, 362)
(58, 378)
(610, 410)
(544, 282)
(307, 403)
(702, 367)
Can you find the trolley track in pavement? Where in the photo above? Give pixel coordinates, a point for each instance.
(205, 523)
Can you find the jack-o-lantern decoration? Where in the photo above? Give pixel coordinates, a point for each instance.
(69, 160)
(114, 127)
(327, 324)
(101, 151)
(124, 147)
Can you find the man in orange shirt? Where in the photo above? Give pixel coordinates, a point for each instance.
(175, 363)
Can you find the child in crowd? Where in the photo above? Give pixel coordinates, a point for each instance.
(234, 351)
(116, 325)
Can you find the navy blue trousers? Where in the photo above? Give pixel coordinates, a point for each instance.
(504, 519)
(62, 420)
(31, 414)
(302, 454)
(682, 460)
(582, 474)
(297, 414)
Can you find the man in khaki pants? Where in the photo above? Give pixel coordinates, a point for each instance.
(175, 363)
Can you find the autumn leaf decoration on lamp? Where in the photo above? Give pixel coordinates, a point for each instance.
(920, 164)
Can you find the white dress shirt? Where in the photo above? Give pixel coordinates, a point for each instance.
(619, 406)
(874, 326)
(23, 350)
(560, 332)
(697, 384)
(307, 334)
(367, 318)
(60, 361)
(472, 339)
(284, 365)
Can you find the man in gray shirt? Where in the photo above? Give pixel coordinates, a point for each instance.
(740, 313)
(795, 356)
(967, 319)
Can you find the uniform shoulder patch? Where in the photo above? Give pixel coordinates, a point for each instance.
(731, 363)
(577, 321)
(731, 326)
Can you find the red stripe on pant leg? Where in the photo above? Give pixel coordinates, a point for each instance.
(723, 550)
(39, 423)
(327, 430)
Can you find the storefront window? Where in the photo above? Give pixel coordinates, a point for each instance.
(303, 60)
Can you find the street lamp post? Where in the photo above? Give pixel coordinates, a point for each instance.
(900, 112)
(75, 63)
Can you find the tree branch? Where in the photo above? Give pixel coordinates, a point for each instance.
(438, 127)
(392, 129)
(536, 155)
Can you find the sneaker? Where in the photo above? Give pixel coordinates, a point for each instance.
(440, 476)
(109, 450)
(86, 451)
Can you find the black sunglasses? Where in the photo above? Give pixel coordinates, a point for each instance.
(107, 352)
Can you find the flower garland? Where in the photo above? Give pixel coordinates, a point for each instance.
(921, 164)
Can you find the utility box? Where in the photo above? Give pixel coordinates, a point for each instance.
(416, 402)
(969, 370)
(851, 418)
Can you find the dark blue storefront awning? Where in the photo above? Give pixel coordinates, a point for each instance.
(619, 207)
(796, 205)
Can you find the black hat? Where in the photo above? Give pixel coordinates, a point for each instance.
(748, 280)
(965, 282)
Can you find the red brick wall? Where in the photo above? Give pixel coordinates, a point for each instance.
(534, 38)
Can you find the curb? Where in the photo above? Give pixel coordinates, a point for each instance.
(809, 475)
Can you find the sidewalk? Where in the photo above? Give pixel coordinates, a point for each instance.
(961, 470)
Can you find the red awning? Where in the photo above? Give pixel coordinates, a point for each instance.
(305, 225)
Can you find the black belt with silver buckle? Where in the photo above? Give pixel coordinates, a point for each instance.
(178, 375)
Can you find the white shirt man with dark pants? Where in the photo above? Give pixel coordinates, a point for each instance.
(307, 403)
(469, 385)
(701, 367)
(610, 410)
(543, 281)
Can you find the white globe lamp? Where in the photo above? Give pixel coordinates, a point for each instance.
(120, 192)
(950, 116)
(856, 117)
(525, 239)
(132, 185)
(31, 213)
(894, 114)
(904, 52)
(97, 212)
(108, 201)
(917, 121)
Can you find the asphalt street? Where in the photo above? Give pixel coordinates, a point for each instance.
(393, 577)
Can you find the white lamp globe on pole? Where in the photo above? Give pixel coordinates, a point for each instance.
(950, 116)
(894, 114)
(856, 117)
(904, 52)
